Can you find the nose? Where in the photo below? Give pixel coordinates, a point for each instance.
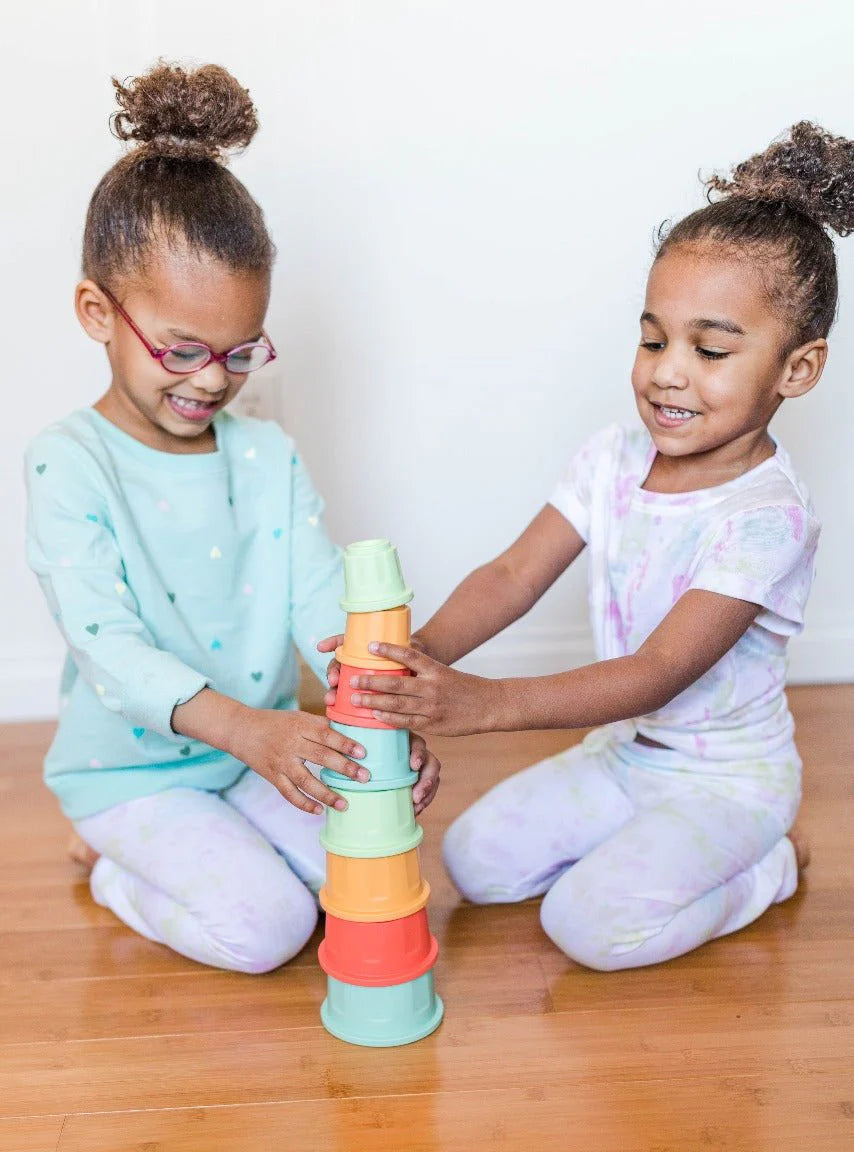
(669, 371)
(212, 378)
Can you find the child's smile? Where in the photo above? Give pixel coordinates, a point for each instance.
(184, 301)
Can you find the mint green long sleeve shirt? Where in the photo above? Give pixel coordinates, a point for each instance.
(167, 573)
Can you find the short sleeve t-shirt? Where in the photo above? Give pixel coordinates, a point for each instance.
(753, 538)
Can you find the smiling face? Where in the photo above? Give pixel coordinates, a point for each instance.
(181, 297)
(708, 374)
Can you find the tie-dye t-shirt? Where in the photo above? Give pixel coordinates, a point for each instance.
(753, 538)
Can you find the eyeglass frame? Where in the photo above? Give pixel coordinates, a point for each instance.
(215, 357)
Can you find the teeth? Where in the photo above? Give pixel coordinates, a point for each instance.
(676, 413)
(183, 402)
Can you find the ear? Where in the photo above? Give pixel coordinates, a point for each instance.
(803, 369)
(94, 311)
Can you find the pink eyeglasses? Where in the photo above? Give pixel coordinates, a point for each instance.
(190, 356)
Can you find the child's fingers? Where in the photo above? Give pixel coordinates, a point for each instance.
(296, 796)
(339, 761)
(409, 657)
(428, 783)
(333, 673)
(405, 705)
(330, 697)
(404, 685)
(341, 743)
(399, 720)
(308, 783)
(330, 643)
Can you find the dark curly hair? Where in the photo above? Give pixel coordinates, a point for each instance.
(774, 211)
(173, 187)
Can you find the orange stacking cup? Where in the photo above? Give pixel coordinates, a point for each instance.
(375, 888)
(393, 626)
(379, 954)
(343, 710)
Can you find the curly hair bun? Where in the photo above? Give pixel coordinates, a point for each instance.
(807, 169)
(184, 115)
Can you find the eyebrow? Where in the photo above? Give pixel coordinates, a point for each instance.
(179, 335)
(703, 324)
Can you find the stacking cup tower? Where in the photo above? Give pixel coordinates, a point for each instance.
(378, 953)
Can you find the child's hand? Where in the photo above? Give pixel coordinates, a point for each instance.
(277, 744)
(422, 761)
(436, 699)
(329, 644)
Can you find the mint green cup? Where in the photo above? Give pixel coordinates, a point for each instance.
(374, 824)
(382, 1017)
(386, 758)
(373, 578)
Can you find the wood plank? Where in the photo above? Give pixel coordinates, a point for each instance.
(467, 1053)
(30, 1134)
(790, 1113)
(210, 1001)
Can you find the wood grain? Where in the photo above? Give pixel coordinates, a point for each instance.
(109, 1043)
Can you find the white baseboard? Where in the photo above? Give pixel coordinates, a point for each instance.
(29, 686)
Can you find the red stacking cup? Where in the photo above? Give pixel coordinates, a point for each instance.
(343, 711)
(380, 953)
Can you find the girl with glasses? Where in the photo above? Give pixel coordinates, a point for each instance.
(671, 823)
(183, 555)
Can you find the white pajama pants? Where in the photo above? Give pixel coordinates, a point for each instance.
(642, 855)
(226, 878)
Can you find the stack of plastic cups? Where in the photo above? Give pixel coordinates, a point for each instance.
(378, 954)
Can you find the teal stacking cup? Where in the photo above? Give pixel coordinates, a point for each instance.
(382, 1017)
(373, 578)
(374, 824)
(386, 758)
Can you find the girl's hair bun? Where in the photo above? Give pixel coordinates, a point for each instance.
(184, 115)
(807, 169)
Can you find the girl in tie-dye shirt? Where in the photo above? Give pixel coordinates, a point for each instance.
(669, 824)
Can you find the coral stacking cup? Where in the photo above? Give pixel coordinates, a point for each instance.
(344, 711)
(394, 626)
(378, 954)
(373, 889)
(386, 758)
(382, 1017)
(372, 577)
(374, 824)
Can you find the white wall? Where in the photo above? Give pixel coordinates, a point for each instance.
(463, 193)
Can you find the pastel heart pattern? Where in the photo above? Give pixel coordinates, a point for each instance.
(171, 596)
(216, 645)
(139, 732)
(277, 532)
(256, 676)
(185, 751)
(40, 468)
(93, 628)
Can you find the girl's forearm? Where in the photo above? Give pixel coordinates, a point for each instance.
(485, 603)
(211, 717)
(601, 693)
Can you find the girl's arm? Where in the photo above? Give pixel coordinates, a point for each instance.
(493, 596)
(700, 628)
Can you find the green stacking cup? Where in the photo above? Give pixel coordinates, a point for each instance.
(373, 578)
(386, 758)
(374, 824)
(382, 1017)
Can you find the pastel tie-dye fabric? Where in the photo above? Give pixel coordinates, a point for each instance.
(753, 538)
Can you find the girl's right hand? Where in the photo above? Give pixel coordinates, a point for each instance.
(277, 745)
(329, 644)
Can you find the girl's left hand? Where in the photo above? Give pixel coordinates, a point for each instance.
(422, 761)
(436, 699)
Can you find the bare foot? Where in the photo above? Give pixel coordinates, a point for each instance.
(802, 848)
(81, 853)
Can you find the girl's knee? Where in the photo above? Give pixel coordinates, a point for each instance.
(264, 932)
(466, 853)
(589, 926)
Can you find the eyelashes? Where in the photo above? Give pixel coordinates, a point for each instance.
(705, 353)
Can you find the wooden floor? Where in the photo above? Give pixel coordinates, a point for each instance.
(110, 1043)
